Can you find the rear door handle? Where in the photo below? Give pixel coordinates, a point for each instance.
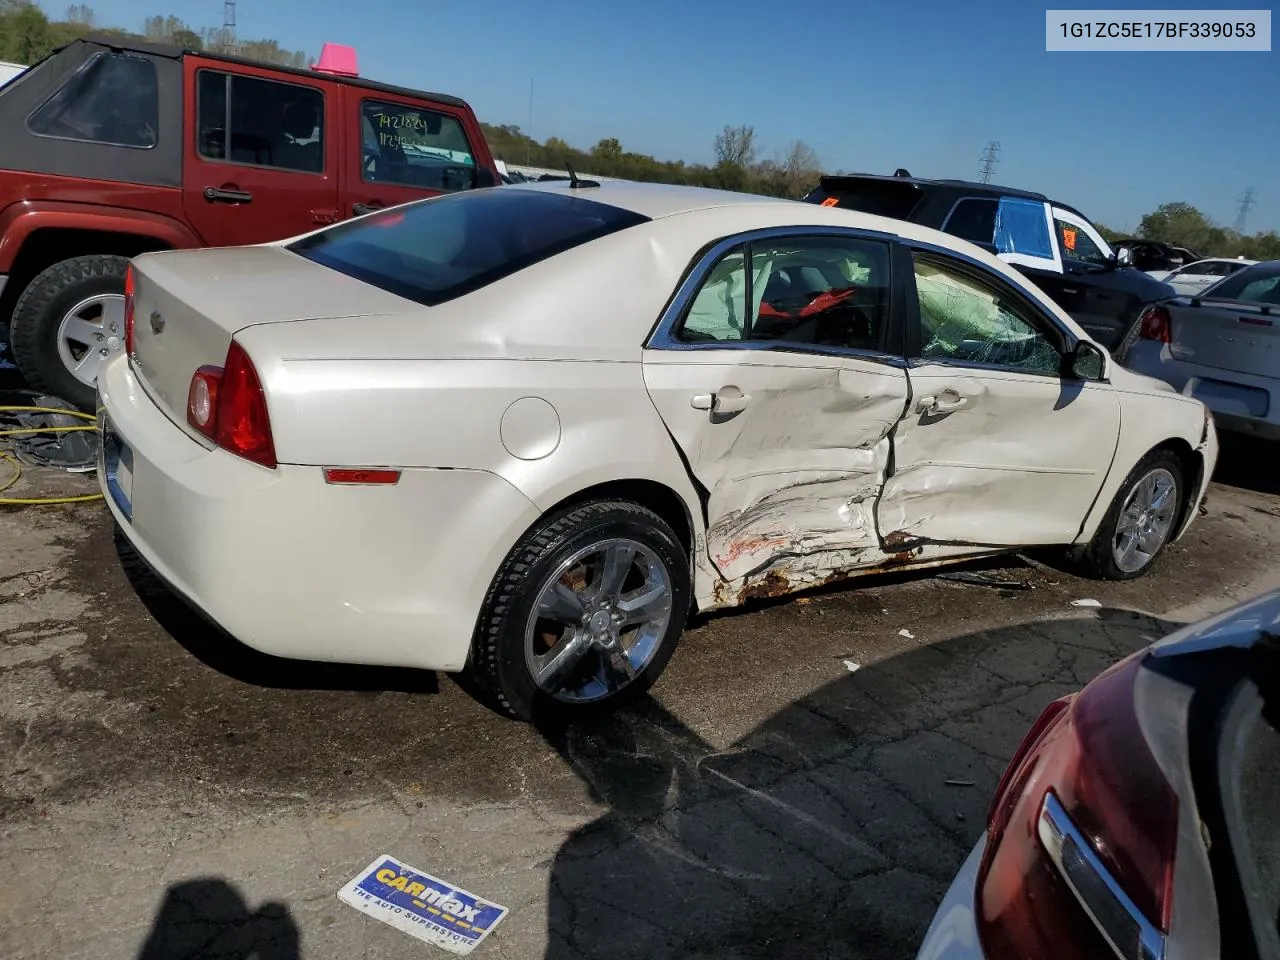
(360, 209)
(726, 400)
(224, 195)
(929, 405)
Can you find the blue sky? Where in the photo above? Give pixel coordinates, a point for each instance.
(870, 86)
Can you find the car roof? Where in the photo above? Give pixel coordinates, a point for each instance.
(177, 52)
(652, 200)
(972, 188)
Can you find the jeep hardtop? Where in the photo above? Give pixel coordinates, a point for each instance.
(112, 148)
(1054, 245)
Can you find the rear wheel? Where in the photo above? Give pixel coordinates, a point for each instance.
(1142, 520)
(584, 612)
(68, 322)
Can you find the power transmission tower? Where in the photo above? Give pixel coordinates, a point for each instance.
(229, 25)
(990, 157)
(1242, 208)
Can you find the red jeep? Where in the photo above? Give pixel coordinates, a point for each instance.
(112, 148)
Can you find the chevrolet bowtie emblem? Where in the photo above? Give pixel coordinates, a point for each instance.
(157, 322)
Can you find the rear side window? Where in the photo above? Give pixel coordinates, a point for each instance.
(1022, 227)
(263, 123)
(113, 98)
(414, 147)
(437, 250)
(973, 219)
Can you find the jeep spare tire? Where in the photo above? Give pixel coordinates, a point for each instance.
(68, 322)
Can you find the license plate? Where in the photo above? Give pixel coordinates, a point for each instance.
(117, 460)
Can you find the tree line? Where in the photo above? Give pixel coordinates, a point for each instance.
(27, 35)
(792, 172)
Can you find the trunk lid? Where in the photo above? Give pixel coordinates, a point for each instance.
(1227, 334)
(189, 304)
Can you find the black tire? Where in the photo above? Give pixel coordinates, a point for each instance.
(1098, 558)
(497, 667)
(46, 300)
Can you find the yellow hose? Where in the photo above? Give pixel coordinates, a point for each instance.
(17, 467)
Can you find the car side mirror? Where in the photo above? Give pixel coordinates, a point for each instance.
(1087, 362)
(1124, 257)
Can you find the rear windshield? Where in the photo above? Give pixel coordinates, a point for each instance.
(1259, 283)
(893, 199)
(440, 249)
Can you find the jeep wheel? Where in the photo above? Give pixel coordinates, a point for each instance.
(68, 322)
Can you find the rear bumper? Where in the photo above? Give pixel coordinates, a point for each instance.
(953, 934)
(1241, 402)
(294, 567)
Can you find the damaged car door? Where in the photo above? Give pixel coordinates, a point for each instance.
(1000, 445)
(778, 371)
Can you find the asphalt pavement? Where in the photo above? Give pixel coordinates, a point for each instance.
(803, 781)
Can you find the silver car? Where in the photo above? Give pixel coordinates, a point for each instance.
(1222, 347)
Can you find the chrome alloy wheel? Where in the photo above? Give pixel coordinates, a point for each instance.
(90, 333)
(1145, 520)
(598, 621)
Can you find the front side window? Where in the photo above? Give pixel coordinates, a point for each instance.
(436, 250)
(966, 320)
(113, 98)
(1022, 227)
(803, 291)
(1076, 244)
(414, 147)
(262, 123)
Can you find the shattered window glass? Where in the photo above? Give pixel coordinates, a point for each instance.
(963, 319)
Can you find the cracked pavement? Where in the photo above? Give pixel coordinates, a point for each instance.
(166, 793)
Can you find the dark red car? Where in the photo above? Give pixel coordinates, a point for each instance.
(1140, 818)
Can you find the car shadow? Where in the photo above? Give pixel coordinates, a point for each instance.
(833, 828)
(208, 918)
(215, 648)
(1248, 463)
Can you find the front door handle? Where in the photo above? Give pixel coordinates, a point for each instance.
(227, 195)
(932, 405)
(360, 209)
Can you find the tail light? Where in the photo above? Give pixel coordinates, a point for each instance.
(227, 405)
(1082, 835)
(1155, 325)
(128, 311)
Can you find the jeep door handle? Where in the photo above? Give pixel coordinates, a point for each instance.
(360, 209)
(223, 195)
(929, 405)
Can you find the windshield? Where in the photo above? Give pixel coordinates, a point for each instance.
(1259, 284)
(440, 249)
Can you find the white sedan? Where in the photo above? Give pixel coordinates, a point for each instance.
(523, 431)
(1194, 278)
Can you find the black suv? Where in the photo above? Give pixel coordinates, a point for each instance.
(1057, 247)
